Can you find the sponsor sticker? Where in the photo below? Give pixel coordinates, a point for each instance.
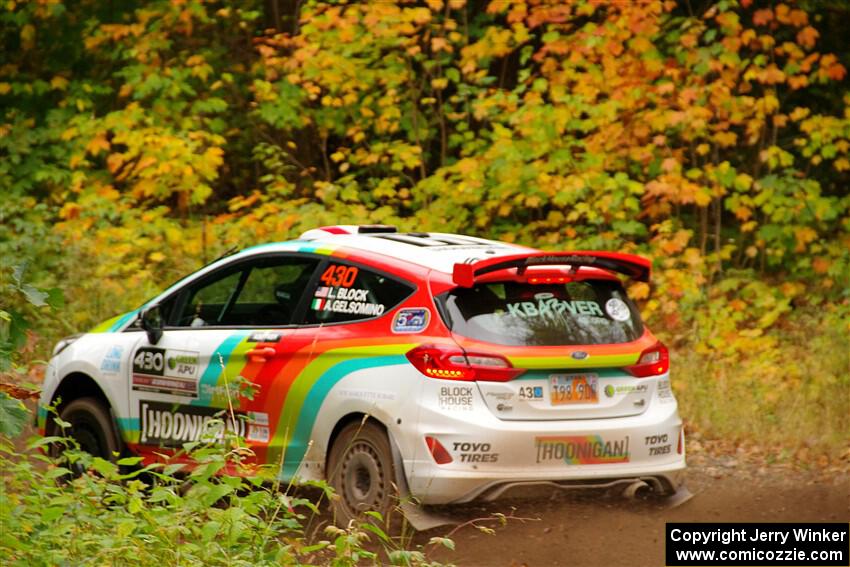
(264, 337)
(611, 390)
(171, 425)
(411, 320)
(455, 398)
(258, 417)
(111, 363)
(370, 395)
(617, 309)
(582, 450)
(166, 371)
(529, 393)
(473, 452)
(658, 444)
(551, 306)
(665, 392)
(258, 433)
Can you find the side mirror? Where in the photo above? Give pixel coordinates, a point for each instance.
(152, 323)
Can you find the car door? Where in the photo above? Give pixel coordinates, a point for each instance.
(223, 338)
(343, 337)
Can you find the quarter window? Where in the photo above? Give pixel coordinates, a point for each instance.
(352, 293)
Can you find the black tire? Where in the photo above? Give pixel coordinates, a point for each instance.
(91, 427)
(360, 469)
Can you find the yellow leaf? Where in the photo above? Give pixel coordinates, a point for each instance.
(97, 144)
(702, 197)
(28, 36)
(156, 257)
(440, 84)
(5, 88)
(799, 113)
(59, 83)
(639, 290)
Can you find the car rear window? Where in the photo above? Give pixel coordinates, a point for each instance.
(585, 312)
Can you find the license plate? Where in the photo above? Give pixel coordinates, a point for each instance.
(566, 389)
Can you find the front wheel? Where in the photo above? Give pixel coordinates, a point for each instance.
(360, 469)
(91, 427)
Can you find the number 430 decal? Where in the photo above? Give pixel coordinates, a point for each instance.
(339, 276)
(149, 361)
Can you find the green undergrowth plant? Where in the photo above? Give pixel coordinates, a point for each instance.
(788, 391)
(75, 509)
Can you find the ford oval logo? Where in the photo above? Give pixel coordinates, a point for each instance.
(579, 354)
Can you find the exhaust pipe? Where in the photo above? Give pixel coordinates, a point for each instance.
(637, 489)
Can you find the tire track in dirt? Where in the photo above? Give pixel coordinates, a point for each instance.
(599, 529)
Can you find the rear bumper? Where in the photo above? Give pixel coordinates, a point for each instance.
(455, 488)
(491, 456)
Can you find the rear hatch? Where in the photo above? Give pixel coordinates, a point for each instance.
(578, 341)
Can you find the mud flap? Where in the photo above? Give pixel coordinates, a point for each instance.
(420, 518)
(678, 498)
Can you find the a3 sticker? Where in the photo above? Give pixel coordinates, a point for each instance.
(166, 371)
(411, 320)
(530, 393)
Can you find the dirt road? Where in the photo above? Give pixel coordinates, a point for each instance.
(602, 530)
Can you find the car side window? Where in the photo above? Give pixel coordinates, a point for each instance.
(347, 292)
(264, 292)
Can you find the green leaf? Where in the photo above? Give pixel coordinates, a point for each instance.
(57, 472)
(215, 493)
(34, 295)
(13, 415)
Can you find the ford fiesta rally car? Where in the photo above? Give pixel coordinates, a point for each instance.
(481, 366)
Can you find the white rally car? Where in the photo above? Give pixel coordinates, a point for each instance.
(481, 366)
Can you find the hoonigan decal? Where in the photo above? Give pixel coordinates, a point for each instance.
(582, 450)
(170, 425)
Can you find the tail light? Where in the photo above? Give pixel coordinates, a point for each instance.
(653, 361)
(681, 447)
(453, 363)
(439, 453)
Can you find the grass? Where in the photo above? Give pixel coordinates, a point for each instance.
(793, 394)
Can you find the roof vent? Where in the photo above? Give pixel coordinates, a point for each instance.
(376, 229)
(325, 231)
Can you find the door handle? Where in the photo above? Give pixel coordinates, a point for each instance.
(260, 354)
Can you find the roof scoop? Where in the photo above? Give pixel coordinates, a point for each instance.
(325, 231)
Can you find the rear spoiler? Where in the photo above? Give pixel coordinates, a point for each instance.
(636, 267)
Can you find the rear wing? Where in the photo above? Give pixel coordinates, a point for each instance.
(636, 267)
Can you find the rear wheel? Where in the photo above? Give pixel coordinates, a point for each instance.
(91, 427)
(360, 469)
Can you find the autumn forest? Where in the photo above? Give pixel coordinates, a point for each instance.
(140, 140)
